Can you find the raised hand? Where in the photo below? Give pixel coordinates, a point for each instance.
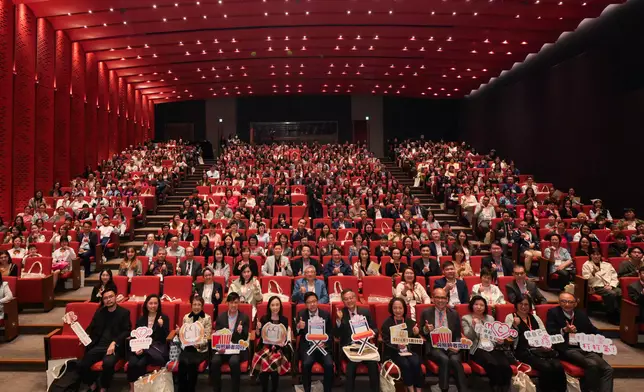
(338, 313)
(301, 324)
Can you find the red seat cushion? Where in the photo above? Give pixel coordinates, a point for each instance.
(148, 369)
(476, 368)
(362, 368)
(225, 368)
(572, 370)
(98, 366)
(175, 369)
(531, 373)
(316, 369)
(66, 275)
(433, 367)
(595, 298)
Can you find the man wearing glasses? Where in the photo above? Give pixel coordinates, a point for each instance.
(565, 319)
(303, 317)
(521, 285)
(448, 361)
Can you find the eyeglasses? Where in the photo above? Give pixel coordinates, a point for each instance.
(567, 301)
(437, 297)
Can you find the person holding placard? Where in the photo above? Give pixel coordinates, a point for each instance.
(448, 360)
(239, 324)
(108, 330)
(401, 354)
(343, 331)
(195, 349)
(567, 320)
(484, 351)
(273, 353)
(303, 329)
(157, 354)
(552, 377)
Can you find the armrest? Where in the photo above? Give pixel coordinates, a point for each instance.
(11, 323)
(76, 266)
(628, 326)
(98, 257)
(544, 267)
(47, 338)
(170, 336)
(581, 291)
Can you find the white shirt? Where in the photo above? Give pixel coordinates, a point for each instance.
(207, 293)
(180, 252)
(106, 231)
(213, 174)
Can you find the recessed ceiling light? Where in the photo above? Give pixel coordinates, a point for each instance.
(124, 22)
(165, 20)
(307, 12)
(111, 9)
(369, 12)
(348, 12)
(154, 6)
(90, 11)
(105, 24)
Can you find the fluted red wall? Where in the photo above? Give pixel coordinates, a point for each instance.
(60, 108)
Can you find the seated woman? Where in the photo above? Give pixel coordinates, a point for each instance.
(561, 264)
(192, 356)
(585, 247)
(468, 203)
(209, 290)
(361, 265)
(407, 361)
(130, 266)
(395, 267)
(105, 280)
(7, 268)
(310, 283)
(463, 243)
(463, 267)
(490, 292)
(411, 291)
(247, 286)
(396, 234)
(5, 296)
(221, 268)
(272, 360)
(486, 353)
(62, 259)
(158, 353)
(204, 249)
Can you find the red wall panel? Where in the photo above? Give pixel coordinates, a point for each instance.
(6, 107)
(45, 65)
(77, 120)
(113, 126)
(122, 110)
(91, 111)
(103, 142)
(24, 107)
(130, 115)
(138, 121)
(62, 103)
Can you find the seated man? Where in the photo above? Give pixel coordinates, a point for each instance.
(456, 289)
(497, 263)
(528, 244)
(636, 293)
(159, 266)
(342, 222)
(619, 248)
(87, 248)
(343, 331)
(239, 324)
(189, 266)
(448, 361)
(427, 265)
(521, 285)
(175, 250)
(299, 264)
(565, 319)
(631, 266)
(602, 280)
(307, 284)
(108, 330)
(302, 328)
(337, 266)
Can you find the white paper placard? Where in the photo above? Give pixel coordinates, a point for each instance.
(70, 318)
(593, 343)
(541, 338)
(141, 339)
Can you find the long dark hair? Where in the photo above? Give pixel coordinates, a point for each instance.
(109, 282)
(241, 274)
(145, 305)
(267, 316)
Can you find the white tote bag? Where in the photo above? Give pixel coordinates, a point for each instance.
(56, 368)
(316, 386)
(573, 383)
(267, 296)
(33, 275)
(522, 382)
(160, 381)
(387, 382)
(336, 295)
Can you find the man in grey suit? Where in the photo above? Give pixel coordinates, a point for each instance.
(448, 361)
(521, 285)
(190, 266)
(149, 248)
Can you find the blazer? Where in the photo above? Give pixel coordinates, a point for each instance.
(392, 350)
(390, 269)
(301, 333)
(297, 266)
(434, 268)
(556, 321)
(269, 268)
(429, 317)
(93, 240)
(243, 320)
(461, 288)
(514, 292)
(216, 288)
(159, 334)
(508, 265)
(432, 247)
(117, 330)
(343, 331)
(414, 211)
(345, 269)
(196, 269)
(470, 333)
(320, 291)
(635, 292)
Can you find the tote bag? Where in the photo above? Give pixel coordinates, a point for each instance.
(279, 293)
(336, 295)
(33, 275)
(387, 382)
(522, 382)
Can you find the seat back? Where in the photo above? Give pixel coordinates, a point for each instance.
(432, 282)
(45, 248)
(178, 287)
(45, 262)
(475, 263)
(502, 311)
(344, 282)
(12, 281)
(145, 285)
(462, 309)
(503, 282)
(84, 312)
(470, 281)
(542, 311)
(624, 283)
(376, 285)
(284, 282)
(135, 310)
(121, 284)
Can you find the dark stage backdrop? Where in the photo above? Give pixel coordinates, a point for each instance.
(183, 112)
(575, 116)
(411, 117)
(295, 108)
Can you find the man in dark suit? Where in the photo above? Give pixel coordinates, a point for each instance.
(436, 246)
(302, 328)
(417, 211)
(427, 265)
(190, 266)
(521, 285)
(239, 324)
(448, 361)
(343, 331)
(636, 293)
(298, 264)
(87, 248)
(455, 288)
(342, 222)
(108, 330)
(497, 263)
(566, 320)
(503, 231)
(149, 248)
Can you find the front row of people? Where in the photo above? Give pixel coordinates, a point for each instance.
(111, 326)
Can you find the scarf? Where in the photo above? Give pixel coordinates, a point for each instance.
(196, 317)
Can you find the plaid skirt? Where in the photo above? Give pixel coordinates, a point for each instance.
(268, 360)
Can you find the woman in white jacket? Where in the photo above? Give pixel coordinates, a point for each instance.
(487, 290)
(5, 296)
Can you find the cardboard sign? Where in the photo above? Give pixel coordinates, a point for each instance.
(71, 319)
(361, 333)
(274, 334)
(491, 332)
(400, 335)
(141, 339)
(593, 343)
(541, 338)
(442, 338)
(222, 340)
(317, 335)
(191, 334)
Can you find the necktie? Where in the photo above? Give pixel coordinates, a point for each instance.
(189, 269)
(441, 318)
